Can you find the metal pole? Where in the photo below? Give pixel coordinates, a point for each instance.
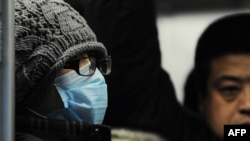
(8, 75)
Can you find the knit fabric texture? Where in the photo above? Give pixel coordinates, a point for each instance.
(47, 34)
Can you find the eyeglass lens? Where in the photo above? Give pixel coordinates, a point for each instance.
(105, 65)
(91, 66)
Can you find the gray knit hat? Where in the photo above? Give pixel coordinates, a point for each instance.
(47, 34)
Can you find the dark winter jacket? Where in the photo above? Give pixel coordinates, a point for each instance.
(37, 129)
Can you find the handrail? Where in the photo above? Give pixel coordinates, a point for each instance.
(7, 72)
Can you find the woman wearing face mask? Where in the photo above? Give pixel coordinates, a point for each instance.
(61, 93)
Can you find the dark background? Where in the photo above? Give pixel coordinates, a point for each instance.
(170, 6)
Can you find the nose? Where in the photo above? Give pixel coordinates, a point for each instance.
(245, 102)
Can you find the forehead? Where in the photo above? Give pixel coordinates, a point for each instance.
(232, 65)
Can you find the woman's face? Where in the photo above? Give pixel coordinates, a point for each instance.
(228, 100)
(52, 101)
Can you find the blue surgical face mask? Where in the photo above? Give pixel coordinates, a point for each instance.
(84, 97)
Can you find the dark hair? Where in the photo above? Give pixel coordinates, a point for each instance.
(191, 98)
(227, 35)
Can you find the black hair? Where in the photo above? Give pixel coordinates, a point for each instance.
(227, 35)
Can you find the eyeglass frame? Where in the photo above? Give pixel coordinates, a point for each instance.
(75, 65)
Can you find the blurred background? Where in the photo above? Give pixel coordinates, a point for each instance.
(180, 23)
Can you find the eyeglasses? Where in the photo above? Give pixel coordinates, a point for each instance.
(104, 65)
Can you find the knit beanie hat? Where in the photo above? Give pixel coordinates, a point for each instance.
(47, 34)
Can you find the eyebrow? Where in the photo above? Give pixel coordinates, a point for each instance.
(228, 78)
